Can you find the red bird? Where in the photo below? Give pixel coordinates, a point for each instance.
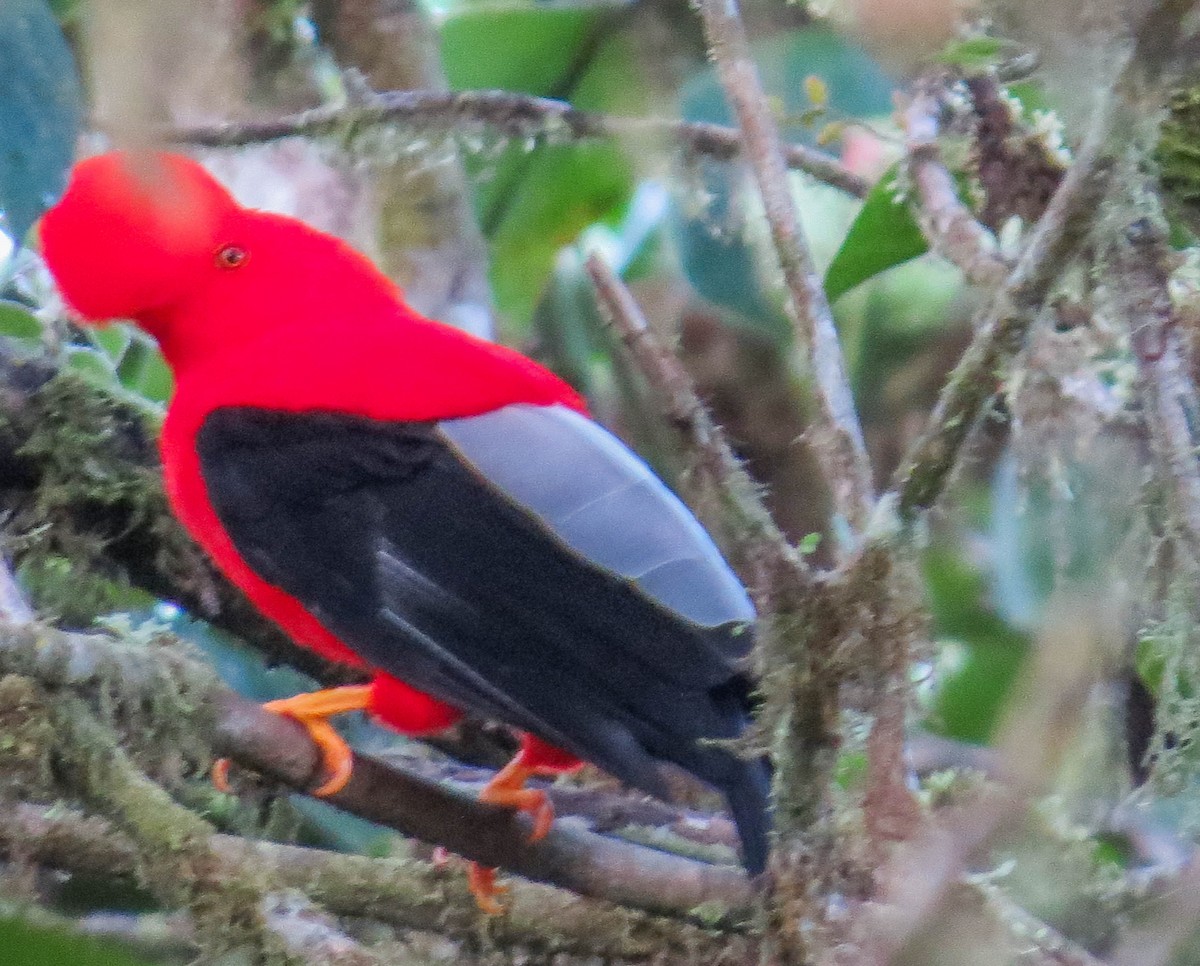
(401, 496)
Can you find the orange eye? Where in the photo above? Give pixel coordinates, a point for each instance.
(231, 256)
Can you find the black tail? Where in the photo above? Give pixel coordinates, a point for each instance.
(748, 796)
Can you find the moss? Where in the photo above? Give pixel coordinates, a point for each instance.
(27, 741)
(175, 858)
(91, 458)
(1172, 646)
(1178, 151)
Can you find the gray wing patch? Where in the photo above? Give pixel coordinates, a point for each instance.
(604, 503)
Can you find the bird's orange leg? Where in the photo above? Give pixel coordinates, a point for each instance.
(313, 711)
(507, 787)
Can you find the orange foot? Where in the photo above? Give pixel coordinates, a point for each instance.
(312, 711)
(508, 788)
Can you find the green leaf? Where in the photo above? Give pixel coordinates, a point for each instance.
(885, 234)
(143, 370)
(1031, 94)
(1150, 663)
(563, 191)
(974, 53)
(18, 322)
(156, 382)
(26, 944)
(532, 203)
(981, 653)
(851, 770)
(92, 364)
(516, 49)
(40, 112)
(1114, 849)
(67, 11)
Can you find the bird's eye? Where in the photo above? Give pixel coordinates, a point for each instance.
(231, 256)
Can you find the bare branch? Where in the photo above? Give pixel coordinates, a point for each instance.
(949, 226)
(836, 433)
(519, 116)
(759, 541)
(1052, 947)
(570, 856)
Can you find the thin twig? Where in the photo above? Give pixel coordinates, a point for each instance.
(1141, 261)
(836, 433)
(1002, 324)
(1035, 739)
(1172, 920)
(519, 116)
(1050, 947)
(949, 226)
(759, 541)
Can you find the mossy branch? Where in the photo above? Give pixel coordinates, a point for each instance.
(1002, 324)
(406, 893)
(508, 114)
(171, 845)
(570, 856)
(836, 435)
(948, 224)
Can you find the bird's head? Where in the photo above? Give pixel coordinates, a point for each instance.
(155, 238)
(136, 233)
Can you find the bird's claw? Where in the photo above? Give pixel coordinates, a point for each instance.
(508, 789)
(481, 880)
(337, 760)
(312, 712)
(220, 776)
(532, 801)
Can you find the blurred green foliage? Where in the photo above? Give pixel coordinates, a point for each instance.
(24, 943)
(979, 653)
(531, 203)
(40, 113)
(711, 217)
(1179, 157)
(17, 322)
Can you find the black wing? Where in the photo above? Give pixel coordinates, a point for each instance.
(605, 503)
(431, 573)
